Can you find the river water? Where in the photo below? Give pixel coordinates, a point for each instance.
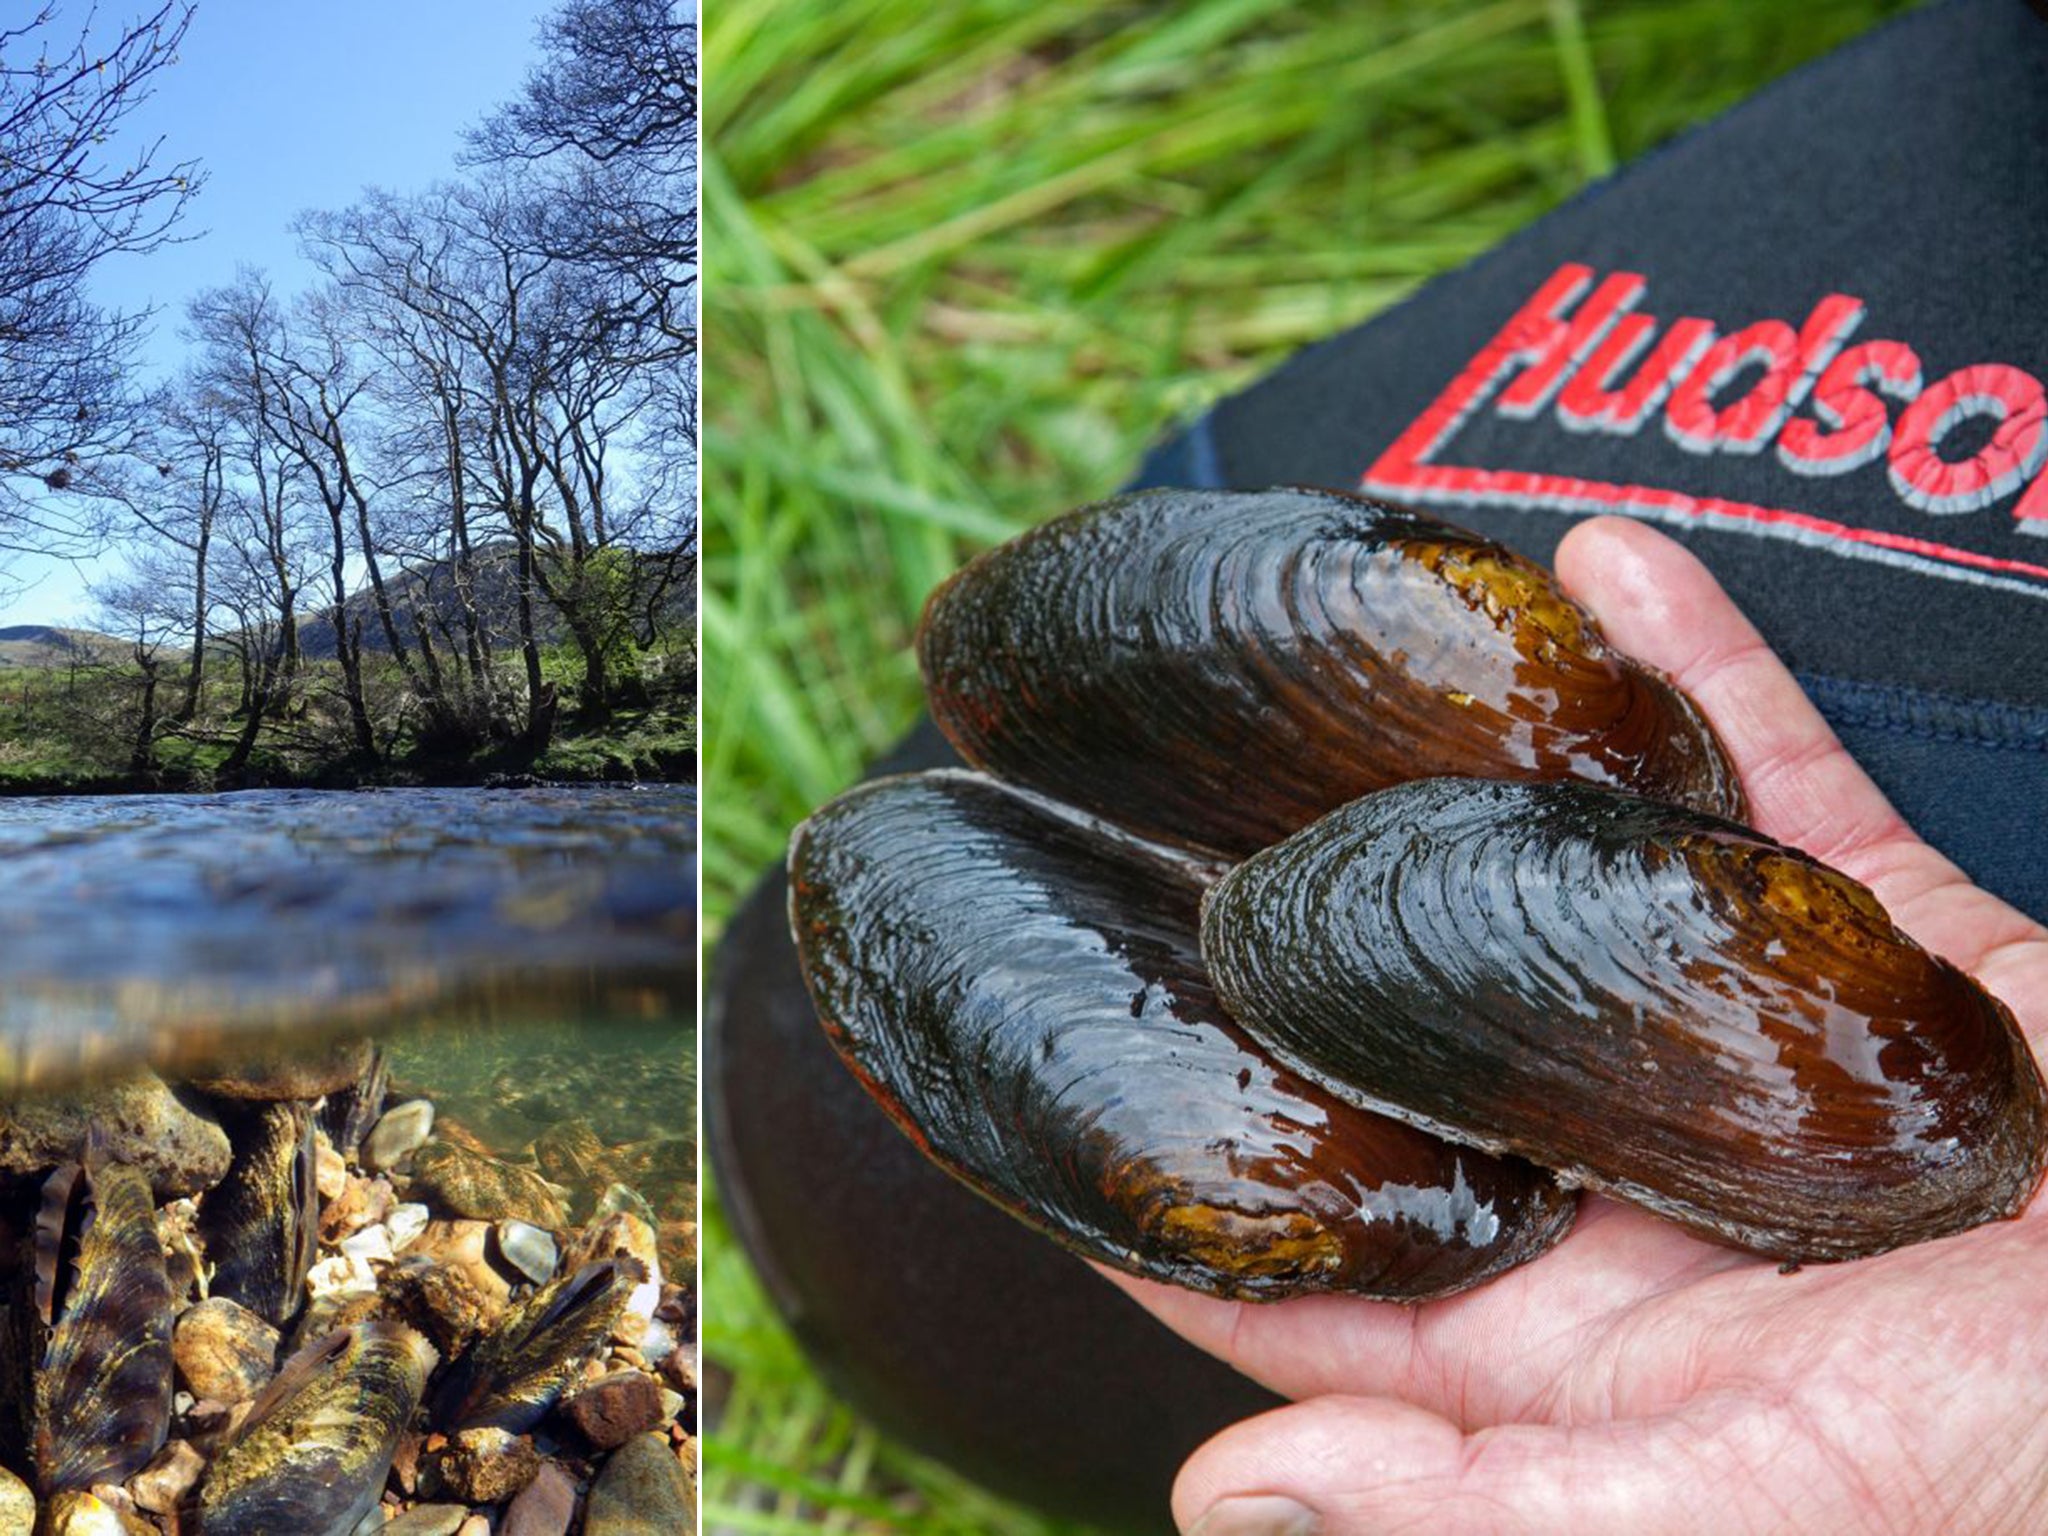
(526, 957)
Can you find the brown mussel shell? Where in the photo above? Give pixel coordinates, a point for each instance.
(261, 1223)
(1019, 987)
(101, 1305)
(511, 1377)
(1653, 1002)
(1219, 669)
(312, 1455)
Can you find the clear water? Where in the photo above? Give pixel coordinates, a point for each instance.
(527, 957)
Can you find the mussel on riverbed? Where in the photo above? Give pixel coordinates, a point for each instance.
(1218, 669)
(101, 1310)
(1019, 987)
(311, 1457)
(1653, 1002)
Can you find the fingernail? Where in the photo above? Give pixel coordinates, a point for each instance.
(1263, 1515)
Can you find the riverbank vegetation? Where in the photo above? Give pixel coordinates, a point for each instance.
(431, 517)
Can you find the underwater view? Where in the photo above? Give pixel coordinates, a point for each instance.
(348, 1161)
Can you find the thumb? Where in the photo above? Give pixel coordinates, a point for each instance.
(1349, 1466)
(1657, 603)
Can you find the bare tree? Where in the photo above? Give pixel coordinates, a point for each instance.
(67, 202)
(608, 121)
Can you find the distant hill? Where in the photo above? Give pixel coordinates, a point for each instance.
(431, 591)
(46, 645)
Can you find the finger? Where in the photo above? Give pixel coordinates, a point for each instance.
(1659, 604)
(1491, 1354)
(1345, 1466)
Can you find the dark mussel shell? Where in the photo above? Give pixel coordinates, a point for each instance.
(1219, 669)
(1020, 989)
(1653, 1002)
(261, 1223)
(102, 1302)
(312, 1456)
(349, 1114)
(511, 1377)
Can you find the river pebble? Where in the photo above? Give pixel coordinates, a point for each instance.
(483, 1466)
(139, 1121)
(405, 1223)
(427, 1520)
(528, 1249)
(84, 1514)
(400, 1131)
(614, 1408)
(371, 1244)
(223, 1351)
(17, 1503)
(546, 1506)
(171, 1474)
(641, 1492)
(469, 1183)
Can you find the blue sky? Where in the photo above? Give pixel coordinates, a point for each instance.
(289, 104)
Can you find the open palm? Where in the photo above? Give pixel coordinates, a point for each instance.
(1637, 1379)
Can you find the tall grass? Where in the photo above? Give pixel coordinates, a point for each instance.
(963, 264)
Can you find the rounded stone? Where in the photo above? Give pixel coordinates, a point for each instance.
(642, 1491)
(171, 1474)
(17, 1503)
(614, 1408)
(466, 1183)
(463, 1247)
(485, 1466)
(297, 1074)
(223, 1351)
(528, 1249)
(74, 1513)
(139, 1120)
(544, 1508)
(400, 1131)
(427, 1520)
(404, 1223)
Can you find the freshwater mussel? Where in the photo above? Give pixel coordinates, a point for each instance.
(99, 1315)
(260, 1223)
(312, 1455)
(1020, 988)
(1584, 961)
(1654, 1002)
(1219, 669)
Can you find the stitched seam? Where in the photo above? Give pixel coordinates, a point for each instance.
(1929, 715)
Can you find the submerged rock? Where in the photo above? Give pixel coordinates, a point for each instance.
(614, 1408)
(293, 1074)
(642, 1491)
(400, 1131)
(545, 1508)
(17, 1503)
(84, 1514)
(528, 1249)
(139, 1121)
(427, 1520)
(223, 1350)
(162, 1485)
(471, 1184)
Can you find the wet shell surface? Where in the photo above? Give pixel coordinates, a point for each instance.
(511, 1377)
(312, 1456)
(261, 1222)
(1019, 987)
(1219, 669)
(1655, 1003)
(102, 1387)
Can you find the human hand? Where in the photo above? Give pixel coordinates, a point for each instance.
(1637, 1379)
